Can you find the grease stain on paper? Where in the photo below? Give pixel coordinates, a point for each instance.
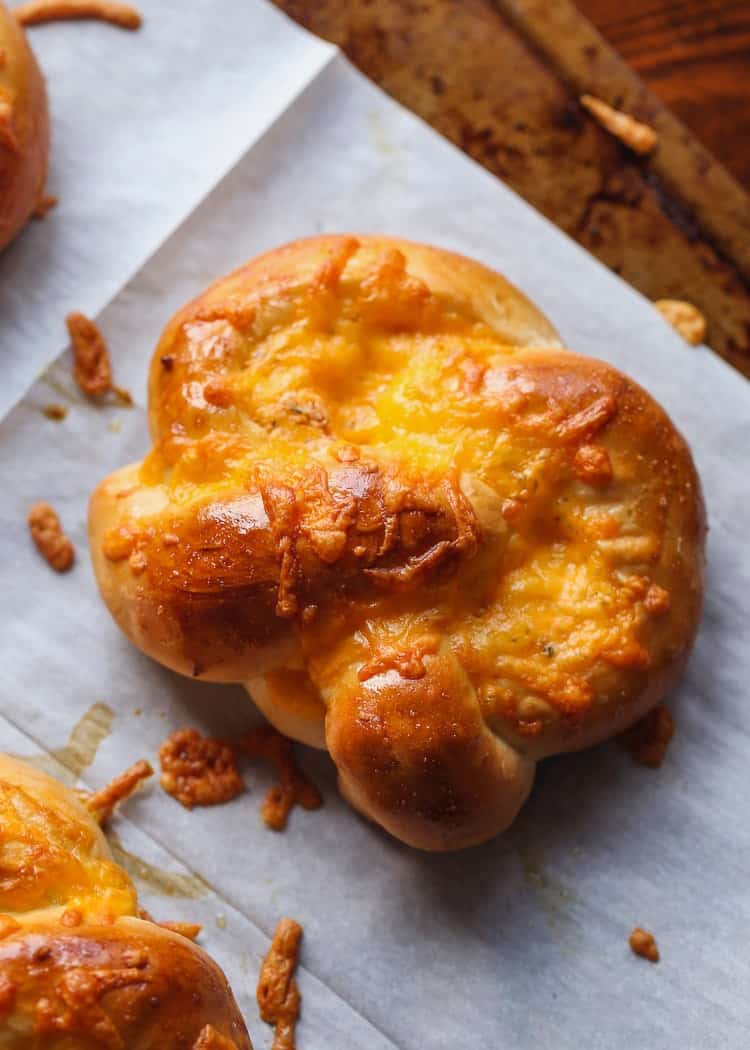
(551, 895)
(64, 387)
(54, 411)
(379, 135)
(159, 880)
(69, 762)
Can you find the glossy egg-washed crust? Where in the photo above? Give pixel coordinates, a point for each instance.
(423, 534)
(78, 969)
(24, 129)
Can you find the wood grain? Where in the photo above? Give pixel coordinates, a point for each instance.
(695, 56)
(501, 79)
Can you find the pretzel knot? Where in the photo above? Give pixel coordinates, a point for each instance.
(24, 129)
(383, 497)
(80, 964)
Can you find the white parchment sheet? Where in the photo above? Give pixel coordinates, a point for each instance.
(521, 943)
(143, 125)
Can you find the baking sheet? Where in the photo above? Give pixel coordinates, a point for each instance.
(143, 125)
(520, 943)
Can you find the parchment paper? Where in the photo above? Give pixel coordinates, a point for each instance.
(143, 125)
(523, 942)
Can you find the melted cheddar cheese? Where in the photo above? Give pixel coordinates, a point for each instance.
(53, 855)
(367, 453)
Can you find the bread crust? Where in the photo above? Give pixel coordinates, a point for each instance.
(24, 129)
(78, 968)
(133, 983)
(427, 536)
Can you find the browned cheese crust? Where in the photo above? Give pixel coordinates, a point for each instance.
(293, 787)
(24, 129)
(644, 944)
(199, 770)
(278, 995)
(51, 542)
(422, 533)
(78, 969)
(36, 12)
(647, 741)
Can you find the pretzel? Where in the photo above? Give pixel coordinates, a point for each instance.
(422, 533)
(78, 967)
(36, 12)
(24, 129)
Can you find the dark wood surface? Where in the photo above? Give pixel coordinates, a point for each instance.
(501, 79)
(695, 55)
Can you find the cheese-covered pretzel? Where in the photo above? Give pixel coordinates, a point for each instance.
(423, 534)
(24, 129)
(79, 970)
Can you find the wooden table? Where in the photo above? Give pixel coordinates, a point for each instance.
(695, 55)
(501, 79)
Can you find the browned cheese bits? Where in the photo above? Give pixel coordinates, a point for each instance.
(647, 741)
(198, 770)
(631, 132)
(44, 205)
(51, 541)
(35, 12)
(91, 366)
(278, 995)
(686, 319)
(293, 787)
(642, 943)
(210, 1039)
(103, 803)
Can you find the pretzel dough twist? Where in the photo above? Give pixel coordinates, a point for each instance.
(423, 534)
(78, 969)
(24, 129)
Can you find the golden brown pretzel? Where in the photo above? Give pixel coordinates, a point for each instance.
(78, 969)
(24, 129)
(423, 534)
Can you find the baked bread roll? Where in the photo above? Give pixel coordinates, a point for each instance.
(423, 534)
(24, 129)
(78, 969)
